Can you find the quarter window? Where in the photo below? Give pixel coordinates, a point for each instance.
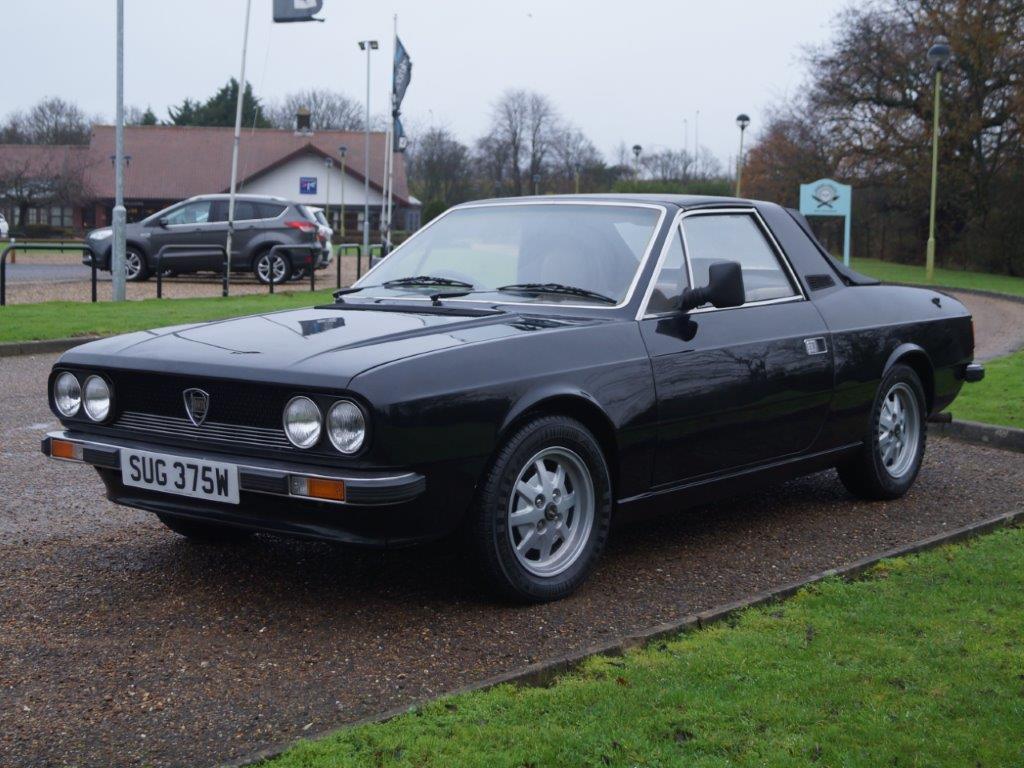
(671, 280)
(736, 237)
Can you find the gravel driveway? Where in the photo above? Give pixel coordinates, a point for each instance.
(122, 644)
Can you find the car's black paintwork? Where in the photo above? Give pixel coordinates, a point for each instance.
(687, 406)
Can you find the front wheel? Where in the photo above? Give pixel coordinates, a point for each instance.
(272, 267)
(135, 268)
(890, 458)
(543, 512)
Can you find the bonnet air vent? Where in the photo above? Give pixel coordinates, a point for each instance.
(820, 282)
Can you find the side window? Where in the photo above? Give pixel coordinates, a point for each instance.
(268, 210)
(736, 237)
(191, 213)
(245, 211)
(670, 280)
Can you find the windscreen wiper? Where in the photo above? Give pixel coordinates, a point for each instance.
(428, 280)
(567, 290)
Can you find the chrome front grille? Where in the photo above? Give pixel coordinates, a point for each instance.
(209, 431)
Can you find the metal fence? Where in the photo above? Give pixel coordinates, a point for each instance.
(13, 247)
(344, 250)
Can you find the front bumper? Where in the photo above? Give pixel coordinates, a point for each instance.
(99, 252)
(379, 507)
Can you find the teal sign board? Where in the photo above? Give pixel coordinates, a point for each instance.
(827, 197)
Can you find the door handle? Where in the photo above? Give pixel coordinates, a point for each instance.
(816, 345)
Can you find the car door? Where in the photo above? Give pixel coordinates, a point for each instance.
(741, 386)
(184, 228)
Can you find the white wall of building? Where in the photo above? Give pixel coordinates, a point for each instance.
(283, 181)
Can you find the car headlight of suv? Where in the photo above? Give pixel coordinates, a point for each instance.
(96, 398)
(67, 394)
(101, 234)
(302, 422)
(346, 426)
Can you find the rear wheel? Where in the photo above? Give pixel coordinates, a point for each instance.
(272, 267)
(210, 533)
(890, 458)
(542, 515)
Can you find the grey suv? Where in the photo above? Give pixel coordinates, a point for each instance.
(261, 222)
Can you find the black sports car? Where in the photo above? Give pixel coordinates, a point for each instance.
(520, 373)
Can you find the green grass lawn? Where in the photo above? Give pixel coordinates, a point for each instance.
(944, 278)
(999, 397)
(60, 319)
(920, 664)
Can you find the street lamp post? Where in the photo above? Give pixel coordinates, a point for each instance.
(742, 120)
(368, 46)
(938, 55)
(120, 216)
(637, 149)
(343, 150)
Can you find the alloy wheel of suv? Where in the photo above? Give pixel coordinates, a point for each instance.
(271, 266)
(135, 269)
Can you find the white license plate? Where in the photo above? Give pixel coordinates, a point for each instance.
(197, 478)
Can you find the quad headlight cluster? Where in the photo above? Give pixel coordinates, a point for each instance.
(345, 424)
(71, 396)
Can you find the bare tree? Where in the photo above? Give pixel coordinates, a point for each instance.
(33, 180)
(51, 121)
(328, 110)
(439, 168)
(523, 124)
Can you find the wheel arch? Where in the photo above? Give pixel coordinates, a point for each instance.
(915, 356)
(576, 405)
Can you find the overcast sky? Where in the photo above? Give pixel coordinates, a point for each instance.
(633, 72)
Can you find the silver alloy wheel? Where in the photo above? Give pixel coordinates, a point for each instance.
(268, 264)
(132, 265)
(551, 511)
(899, 429)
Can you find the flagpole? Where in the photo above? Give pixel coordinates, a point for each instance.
(234, 161)
(391, 144)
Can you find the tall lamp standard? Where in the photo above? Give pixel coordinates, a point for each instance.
(368, 46)
(637, 149)
(343, 150)
(938, 55)
(742, 120)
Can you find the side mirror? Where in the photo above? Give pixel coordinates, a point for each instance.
(724, 288)
(162, 221)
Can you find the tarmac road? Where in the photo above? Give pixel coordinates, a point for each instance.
(123, 644)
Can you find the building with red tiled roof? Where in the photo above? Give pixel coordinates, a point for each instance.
(166, 164)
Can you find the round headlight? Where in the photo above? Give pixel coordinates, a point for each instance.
(302, 422)
(97, 398)
(67, 394)
(346, 426)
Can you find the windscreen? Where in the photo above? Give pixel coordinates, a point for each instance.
(596, 248)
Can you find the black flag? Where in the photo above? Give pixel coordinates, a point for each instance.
(402, 74)
(297, 10)
(400, 142)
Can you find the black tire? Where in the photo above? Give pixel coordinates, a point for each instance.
(134, 255)
(865, 474)
(209, 533)
(494, 543)
(280, 276)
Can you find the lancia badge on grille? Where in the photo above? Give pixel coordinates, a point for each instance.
(197, 405)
